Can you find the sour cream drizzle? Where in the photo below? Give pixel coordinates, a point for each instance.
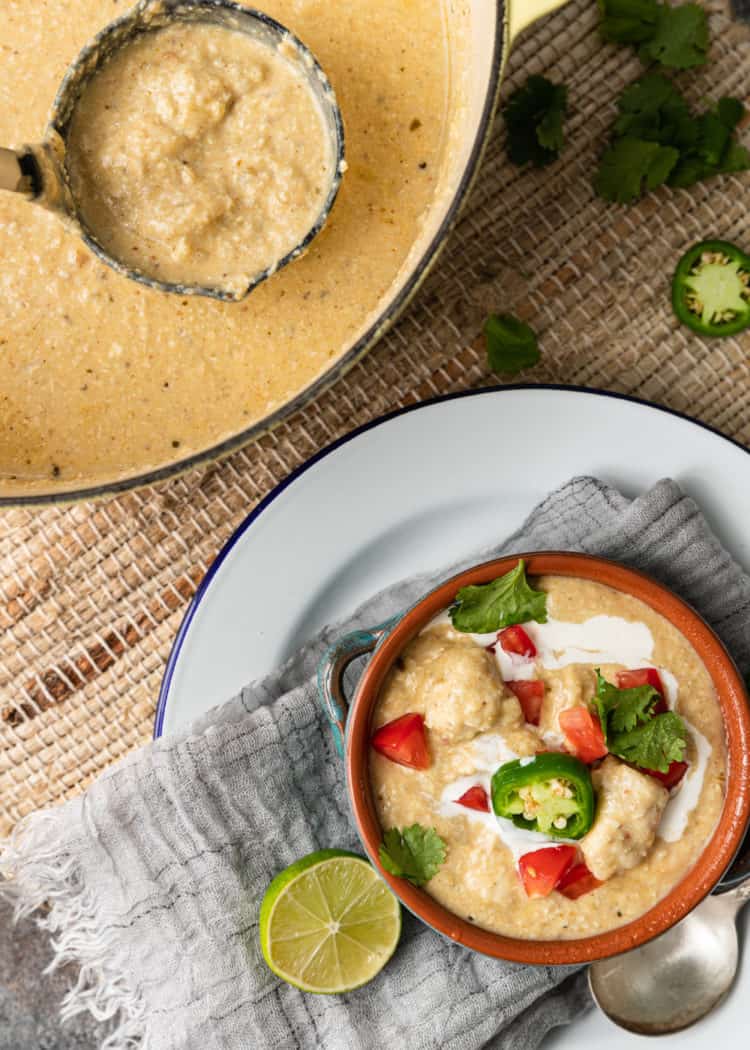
(685, 798)
(598, 640)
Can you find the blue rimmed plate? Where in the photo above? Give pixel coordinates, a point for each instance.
(420, 489)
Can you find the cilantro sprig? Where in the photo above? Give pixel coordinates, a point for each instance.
(654, 744)
(415, 853)
(534, 117)
(621, 710)
(510, 599)
(631, 729)
(673, 36)
(511, 344)
(656, 139)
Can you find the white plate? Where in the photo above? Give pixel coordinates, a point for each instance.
(418, 490)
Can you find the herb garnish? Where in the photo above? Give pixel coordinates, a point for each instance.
(654, 744)
(656, 140)
(631, 167)
(620, 710)
(415, 853)
(485, 607)
(631, 729)
(534, 118)
(511, 344)
(676, 37)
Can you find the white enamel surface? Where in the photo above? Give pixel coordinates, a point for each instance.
(417, 492)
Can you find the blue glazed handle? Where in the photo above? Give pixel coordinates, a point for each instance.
(331, 669)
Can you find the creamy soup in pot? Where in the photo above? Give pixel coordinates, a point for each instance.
(526, 749)
(102, 378)
(199, 155)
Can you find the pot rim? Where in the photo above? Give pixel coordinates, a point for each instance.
(717, 854)
(382, 322)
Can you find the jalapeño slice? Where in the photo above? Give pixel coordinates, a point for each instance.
(550, 793)
(711, 289)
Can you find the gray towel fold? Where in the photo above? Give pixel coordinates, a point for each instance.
(155, 875)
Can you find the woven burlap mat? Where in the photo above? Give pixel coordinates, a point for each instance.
(92, 595)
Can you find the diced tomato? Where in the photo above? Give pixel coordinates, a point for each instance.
(541, 870)
(475, 798)
(583, 733)
(644, 676)
(672, 777)
(530, 696)
(576, 881)
(516, 640)
(403, 740)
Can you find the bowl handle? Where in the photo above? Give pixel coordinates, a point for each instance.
(521, 13)
(331, 669)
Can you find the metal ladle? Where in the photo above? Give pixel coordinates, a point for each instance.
(676, 979)
(40, 173)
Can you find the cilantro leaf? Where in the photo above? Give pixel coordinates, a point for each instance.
(715, 151)
(653, 109)
(653, 745)
(415, 853)
(730, 111)
(511, 344)
(736, 158)
(621, 710)
(487, 607)
(680, 39)
(628, 21)
(534, 118)
(630, 166)
(676, 37)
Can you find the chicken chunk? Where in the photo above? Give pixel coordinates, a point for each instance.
(629, 808)
(570, 687)
(461, 691)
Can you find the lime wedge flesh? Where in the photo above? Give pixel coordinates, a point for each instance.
(328, 923)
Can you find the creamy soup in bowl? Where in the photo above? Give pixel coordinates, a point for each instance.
(547, 759)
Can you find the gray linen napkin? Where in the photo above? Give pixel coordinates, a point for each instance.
(155, 875)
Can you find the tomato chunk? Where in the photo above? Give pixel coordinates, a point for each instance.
(672, 777)
(576, 881)
(530, 696)
(516, 640)
(644, 676)
(475, 798)
(542, 870)
(583, 733)
(403, 740)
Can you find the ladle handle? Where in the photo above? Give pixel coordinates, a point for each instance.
(16, 174)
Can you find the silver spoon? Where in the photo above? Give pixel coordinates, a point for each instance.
(676, 979)
(39, 171)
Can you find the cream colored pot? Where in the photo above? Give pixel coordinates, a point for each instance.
(484, 31)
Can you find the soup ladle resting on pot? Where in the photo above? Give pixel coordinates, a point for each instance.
(46, 172)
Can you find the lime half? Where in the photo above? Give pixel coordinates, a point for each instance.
(328, 923)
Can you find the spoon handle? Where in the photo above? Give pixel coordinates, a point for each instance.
(13, 177)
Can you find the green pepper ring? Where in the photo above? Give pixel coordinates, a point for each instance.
(519, 773)
(712, 329)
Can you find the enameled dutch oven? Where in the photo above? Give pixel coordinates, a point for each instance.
(493, 26)
(352, 726)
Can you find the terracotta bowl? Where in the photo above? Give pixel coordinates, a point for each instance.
(390, 639)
